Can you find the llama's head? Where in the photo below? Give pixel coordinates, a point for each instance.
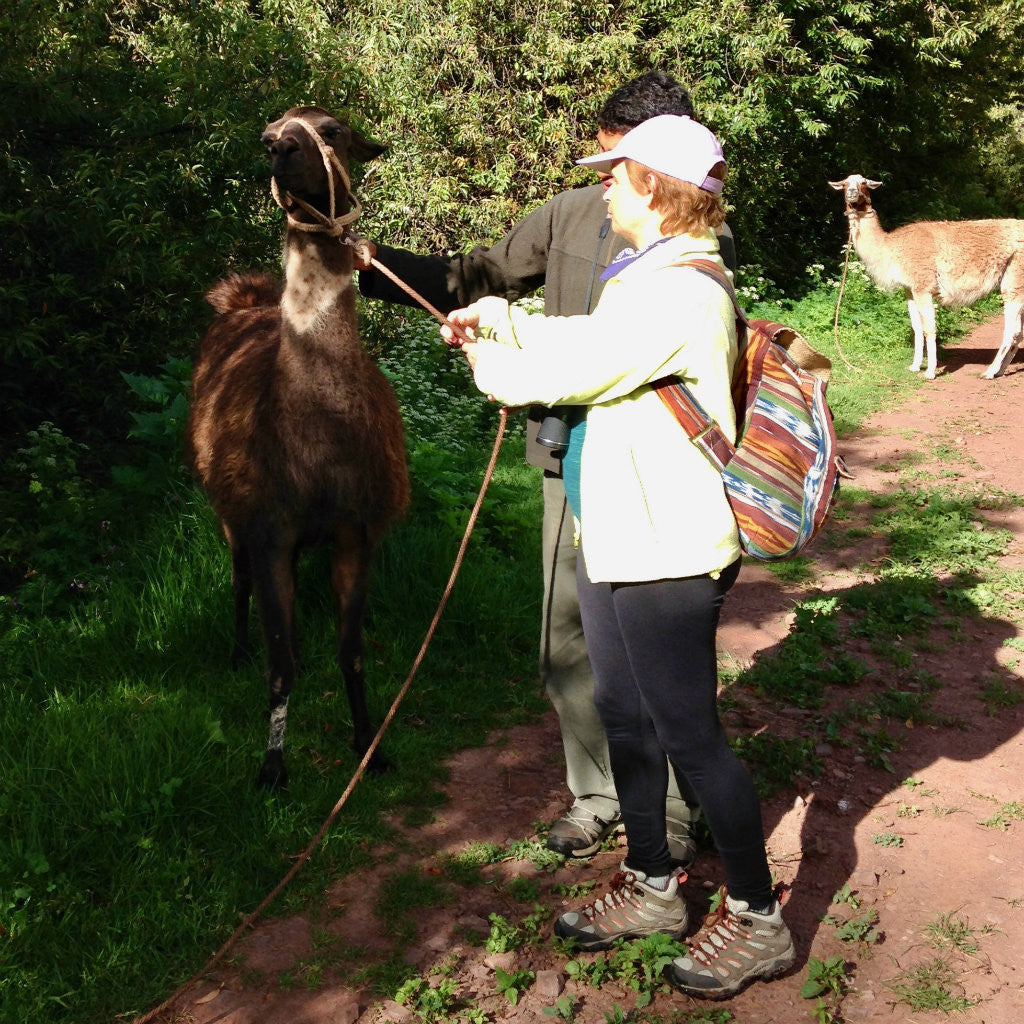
(310, 151)
(855, 192)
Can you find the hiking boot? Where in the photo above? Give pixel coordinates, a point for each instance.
(580, 832)
(682, 841)
(733, 947)
(631, 909)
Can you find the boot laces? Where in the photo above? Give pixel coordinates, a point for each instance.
(621, 891)
(720, 927)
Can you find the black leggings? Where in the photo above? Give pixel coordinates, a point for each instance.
(652, 647)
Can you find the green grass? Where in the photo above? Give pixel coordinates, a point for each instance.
(402, 894)
(939, 567)
(131, 834)
(932, 986)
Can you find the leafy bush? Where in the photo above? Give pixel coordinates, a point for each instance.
(800, 93)
(132, 177)
(131, 174)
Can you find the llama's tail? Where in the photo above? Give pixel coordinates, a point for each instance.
(244, 291)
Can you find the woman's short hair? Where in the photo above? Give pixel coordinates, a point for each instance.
(685, 208)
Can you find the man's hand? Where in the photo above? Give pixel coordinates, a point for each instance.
(363, 251)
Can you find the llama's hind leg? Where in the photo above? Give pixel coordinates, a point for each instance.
(275, 592)
(241, 587)
(915, 324)
(1013, 328)
(350, 576)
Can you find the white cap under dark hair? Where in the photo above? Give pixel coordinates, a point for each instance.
(673, 145)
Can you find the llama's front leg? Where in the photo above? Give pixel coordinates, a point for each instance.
(1013, 328)
(274, 589)
(922, 319)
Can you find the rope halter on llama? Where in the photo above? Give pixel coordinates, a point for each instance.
(330, 224)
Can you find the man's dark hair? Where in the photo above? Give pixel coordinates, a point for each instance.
(642, 98)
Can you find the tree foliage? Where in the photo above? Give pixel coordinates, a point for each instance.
(487, 103)
(132, 177)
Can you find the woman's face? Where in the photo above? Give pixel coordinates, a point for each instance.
(630, 210)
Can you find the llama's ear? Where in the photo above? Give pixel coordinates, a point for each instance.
(363, 149)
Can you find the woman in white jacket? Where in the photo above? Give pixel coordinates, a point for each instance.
(658, 542)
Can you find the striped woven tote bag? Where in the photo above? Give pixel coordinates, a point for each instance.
(782, 475)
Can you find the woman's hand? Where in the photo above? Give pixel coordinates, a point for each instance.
(469, 351)
(468, 319)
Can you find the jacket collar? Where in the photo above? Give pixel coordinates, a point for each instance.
(664, 253)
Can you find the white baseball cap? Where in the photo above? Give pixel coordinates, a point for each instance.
(674, 145)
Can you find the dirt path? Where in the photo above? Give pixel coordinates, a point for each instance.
(823, 832)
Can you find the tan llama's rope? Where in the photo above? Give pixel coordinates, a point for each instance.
(839, 301)
(303, 857)
(329, 224)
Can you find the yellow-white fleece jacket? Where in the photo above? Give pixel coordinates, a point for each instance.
(652, 506)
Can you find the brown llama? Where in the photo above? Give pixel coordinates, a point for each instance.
(293, 432)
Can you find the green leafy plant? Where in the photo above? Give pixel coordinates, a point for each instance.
(574, 890)
(432, 1005)
(775, 760)
(640, 963)
(511, 984)
(593, 971)
(542, 858)
(506, 936)
(999, 696)
(826, 983)
(1007, 813)
(524, 890)
(55, 526)
(847, 895)
(915, 784)
(565, 1008)
(705, 1016)
(824, 977)
(858, 929)
(889, 839)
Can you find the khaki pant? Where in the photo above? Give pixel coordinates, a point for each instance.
(567, 677)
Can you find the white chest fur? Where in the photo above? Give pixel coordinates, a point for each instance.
(311, 290)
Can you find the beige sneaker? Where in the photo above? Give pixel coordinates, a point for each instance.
(733, 947)
(580, 832)
(632, 909)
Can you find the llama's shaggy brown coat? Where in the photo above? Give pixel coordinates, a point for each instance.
(293, 432)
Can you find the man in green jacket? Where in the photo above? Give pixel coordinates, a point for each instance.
(563, 245)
